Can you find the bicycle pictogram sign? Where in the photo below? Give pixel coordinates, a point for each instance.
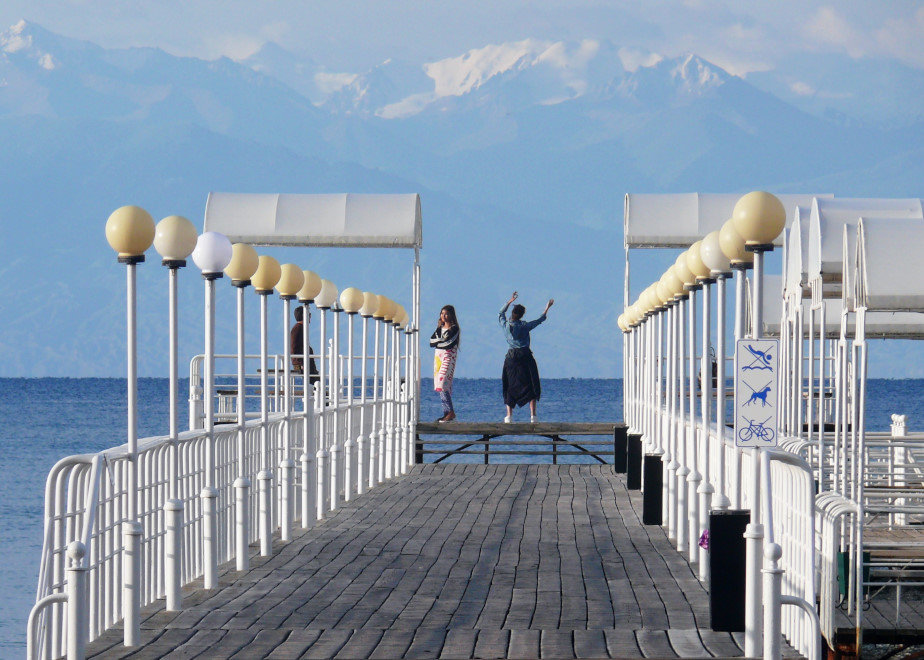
(756, 389)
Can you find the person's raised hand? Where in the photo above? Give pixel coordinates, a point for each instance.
(514, 296)
(549, 304)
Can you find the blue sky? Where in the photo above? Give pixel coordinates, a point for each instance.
(742, 37)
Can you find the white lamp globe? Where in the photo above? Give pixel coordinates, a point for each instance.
(175, 238)
(213, 253)
(711, 253)
(695, 262)
(370, 302)
(327, 296)
(671, 279)
(732, 244)
(311, 288)
(759, 218)
(243, 264)
(130, 231)
(351, 299)
(291, 279)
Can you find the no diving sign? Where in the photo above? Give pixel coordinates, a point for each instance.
(756, 385)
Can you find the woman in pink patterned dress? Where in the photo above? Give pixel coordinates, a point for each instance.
(445, 339)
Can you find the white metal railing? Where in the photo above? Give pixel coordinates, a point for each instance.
(86, 502)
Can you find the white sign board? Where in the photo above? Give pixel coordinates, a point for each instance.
(756, 384)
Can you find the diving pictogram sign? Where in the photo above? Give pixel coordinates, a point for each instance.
(756, 392)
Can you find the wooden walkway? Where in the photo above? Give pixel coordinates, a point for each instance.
(456, 561)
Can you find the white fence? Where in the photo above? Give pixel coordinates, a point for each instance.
(316, 458)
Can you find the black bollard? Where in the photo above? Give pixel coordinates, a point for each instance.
(418, 451)
(653, 475)
(620, 440)
(634, 462)
(727, 554)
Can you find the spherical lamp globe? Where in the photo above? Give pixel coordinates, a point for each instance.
(213, 253)
(383, 310)
(759, 218)
(327, 296)
(130, 231)
(175, 238)
(351, 299)
(311, 288)
(671, 279)
(291, 279)
(711, 253)
(370, 302)
(695, 262)
(732, 244)
(682, 270)
(267, 274)
(664, 292)
(243, 264)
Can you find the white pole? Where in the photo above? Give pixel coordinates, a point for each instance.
(706, 488)
(348, 442)
(286, 465)
(694, 477)
(720, 501)
(209, 493)
(361, 465)
(131, 573)
(242, 484)
(265, 477)
(322, 454)
(308, 455)
(173, 507)
(335, 451)
(683, 470)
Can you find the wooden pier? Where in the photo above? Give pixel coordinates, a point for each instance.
(455, 561)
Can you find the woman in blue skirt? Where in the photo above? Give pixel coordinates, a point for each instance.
(521, 375)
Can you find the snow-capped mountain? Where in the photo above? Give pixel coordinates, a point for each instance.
(522, 152)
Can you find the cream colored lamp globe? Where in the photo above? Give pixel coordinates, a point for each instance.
(711, 254)
(130, 231)
(682, 270)
(351, 300)
(327, 296)
(664, 291)
(175, 238)
(651, 298)
(311, 288)
(213, 253)
(759, 218)
(384, 307)
(733, 245)
(695, 262)
(291, 279)
(370, 302)
(401, 318)
(243, 264)
(397, 314)
(622, 323)
(267, 274)
(672, 281)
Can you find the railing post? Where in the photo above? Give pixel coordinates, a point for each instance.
(77, 602)
(321, 457)
(241, 523)
(131, 582)
(265, 485)
(348, 466)
(360, 463)
(287, 498)
(335, 452)
(173, 514)
(209, 537)
(773, 581)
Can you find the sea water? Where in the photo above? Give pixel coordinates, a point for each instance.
(47, 419)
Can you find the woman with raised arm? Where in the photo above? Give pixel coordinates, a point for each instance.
(521, 375)
(445, 339)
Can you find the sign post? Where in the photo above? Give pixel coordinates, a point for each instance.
(756, 387)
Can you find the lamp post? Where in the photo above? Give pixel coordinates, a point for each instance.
(400, 328)
(310, 289)
(174, 239)
(243, 265)
(719, 266)
(130, 232)
(264, 279)
(350, 300)
(291, 279)
(759, 217)
(325, 298)
(212, 254)
(704, 278)
(382, 310)
(364, 465)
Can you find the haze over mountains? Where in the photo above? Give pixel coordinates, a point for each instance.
(522, 152)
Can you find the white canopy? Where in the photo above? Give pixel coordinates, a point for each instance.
(890, 264)
(797, 240)
(828, 217)
(679, 220)
(340, 220)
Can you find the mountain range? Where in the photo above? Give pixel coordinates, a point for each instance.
(521, 151)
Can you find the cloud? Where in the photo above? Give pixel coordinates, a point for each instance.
(802, 88)
(828, 27)
(234, 46)
(902, 38)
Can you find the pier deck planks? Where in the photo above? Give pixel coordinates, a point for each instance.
(457, 561)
